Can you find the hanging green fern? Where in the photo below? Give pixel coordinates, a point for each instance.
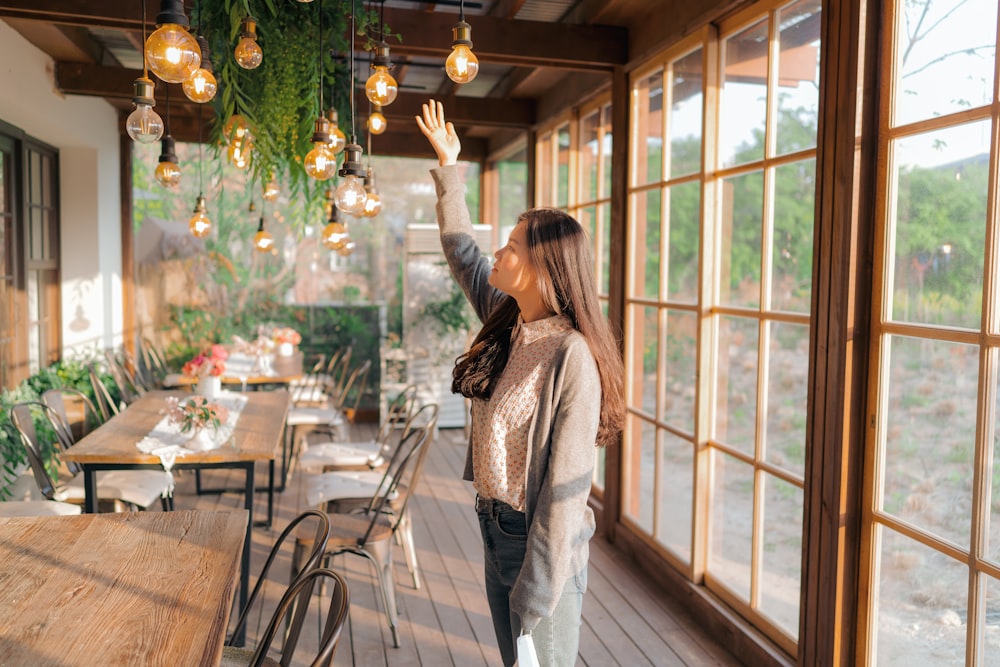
(281, 98)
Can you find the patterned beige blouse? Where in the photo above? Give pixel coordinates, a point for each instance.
(500, 425)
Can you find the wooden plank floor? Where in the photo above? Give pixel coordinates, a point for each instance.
(446, 621)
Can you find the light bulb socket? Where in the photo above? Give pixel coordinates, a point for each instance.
(321, 131)
(461, 34)
(369, 178)
(252, 208)
(260, 226)
(142, 92)
(334, 214)
(206, 58)
(352, 160)
(168, 149)
(172, 11)
(333, 116)
(199, 204)
(248, 27)
(381, 58)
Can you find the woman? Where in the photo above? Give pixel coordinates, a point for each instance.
(545, 378)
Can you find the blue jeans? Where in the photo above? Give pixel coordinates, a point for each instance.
(505, 537)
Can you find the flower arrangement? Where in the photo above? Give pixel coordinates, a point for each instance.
(286, 335)
(211, 363)
(195, 413)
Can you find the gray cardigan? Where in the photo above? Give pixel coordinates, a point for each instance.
(561, 437)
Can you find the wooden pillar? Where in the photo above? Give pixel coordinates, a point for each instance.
(839, 345)
(129, 333)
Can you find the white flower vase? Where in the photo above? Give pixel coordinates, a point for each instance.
(210, 386)
(286, 349)
(202, 440)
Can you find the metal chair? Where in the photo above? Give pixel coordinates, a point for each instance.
(340, 603)
(301, 603)
(106, 404)
(343, 491)
(364, 454)
(136, 489)
(369, 531)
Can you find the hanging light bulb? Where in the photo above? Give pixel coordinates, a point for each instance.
(262, 240)
(199, 224)
(168, 173)
(143, 124)
(381, 88)
(171, 51)
(337, 138)
(200, 87)
(351, 195)
(236, 129)
(461, 64)
(347, 249)
(373, 203)
(334, 235)
(248, 53)
(240, 154)
(271, 189)
(321, 162)
(376, 121)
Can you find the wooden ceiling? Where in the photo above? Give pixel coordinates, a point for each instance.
(528, 50)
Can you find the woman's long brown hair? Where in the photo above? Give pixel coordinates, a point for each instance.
(560, 253)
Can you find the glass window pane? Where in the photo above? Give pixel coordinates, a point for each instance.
(930, 430)
(731, 533)
(683, 241)
(645, 237)
(945, 55)
(606, 145)
(923, 603)
(648, 161)
(679, 370)
(736, 383)
(991, 548)
(781, 563)
(742, 206)
(787, 391)
(686, 111)
(590, 154)
(798, 76)
(794, 217)
(513, 191)
(743, 106)
(991, 648)
(639, 464)
(604, 256)
(940, 226)
(562, 194)
(676, 495)
(646, 400)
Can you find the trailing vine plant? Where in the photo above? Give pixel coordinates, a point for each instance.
(280, 99)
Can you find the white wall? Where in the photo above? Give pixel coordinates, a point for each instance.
(86, 132)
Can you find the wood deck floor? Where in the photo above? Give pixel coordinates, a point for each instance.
(446, 621)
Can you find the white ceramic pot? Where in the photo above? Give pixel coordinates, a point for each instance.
(286, 349)
(202, 440)
(209, 387)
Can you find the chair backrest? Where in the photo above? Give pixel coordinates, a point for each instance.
(128, 386)
(406, 462)
(338, 370)
(397, 413)
(22, 416)
(310, 386)
(56, 400)
(416, 419)
(106, 405)
(312, 562)
(358, 381)
(340, 602)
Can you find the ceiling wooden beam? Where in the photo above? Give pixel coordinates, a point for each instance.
(495, 39)
(115, 83)
(513, 42)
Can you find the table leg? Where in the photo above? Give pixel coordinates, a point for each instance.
(89, 490)
(240, 639)
(270, 492)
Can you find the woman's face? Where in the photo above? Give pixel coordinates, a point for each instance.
(513, 272)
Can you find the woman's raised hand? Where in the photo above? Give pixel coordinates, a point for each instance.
(442, 135)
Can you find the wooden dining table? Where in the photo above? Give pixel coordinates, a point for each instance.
(146, 588)
(257, 436)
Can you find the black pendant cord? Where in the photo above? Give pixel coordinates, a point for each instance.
(201, 190)
(461, 10)
(351, 44)
(145, 69)
(320, 52)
